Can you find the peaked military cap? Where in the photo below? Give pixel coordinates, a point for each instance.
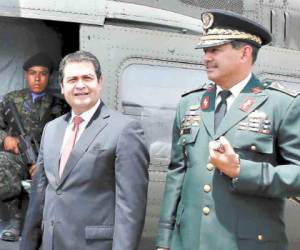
(222, 27)
(39, 59)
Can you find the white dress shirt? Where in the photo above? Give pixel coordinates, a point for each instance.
(235, 91)
(86, 116)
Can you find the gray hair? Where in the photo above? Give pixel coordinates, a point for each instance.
(79, 56)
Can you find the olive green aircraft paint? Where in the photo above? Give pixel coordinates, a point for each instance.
(148, 57)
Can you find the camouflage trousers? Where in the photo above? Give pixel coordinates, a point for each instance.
(11, 172)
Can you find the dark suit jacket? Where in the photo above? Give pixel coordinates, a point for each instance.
(100, 201)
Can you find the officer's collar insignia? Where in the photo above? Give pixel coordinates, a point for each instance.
(207, 20)
(256, 90)
(246, 104)
(205, 103)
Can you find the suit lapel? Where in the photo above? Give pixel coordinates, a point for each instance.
(95, 126)
(207, 103)
(251, 97)
(59, 136)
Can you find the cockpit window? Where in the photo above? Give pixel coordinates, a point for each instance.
(151, 93)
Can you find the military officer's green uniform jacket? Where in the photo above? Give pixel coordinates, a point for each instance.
(204, 209)
(34, 115)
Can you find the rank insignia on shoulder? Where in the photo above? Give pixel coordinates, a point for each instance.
(284, 89)
(266, 83)
(205, 86)
(256, 90)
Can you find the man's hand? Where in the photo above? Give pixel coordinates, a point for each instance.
(162, 248)
(224, 158)
(11, 144)
(32, 171)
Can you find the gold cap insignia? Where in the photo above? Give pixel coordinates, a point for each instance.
(207, 20)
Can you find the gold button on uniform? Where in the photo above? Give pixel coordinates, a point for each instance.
(253, 147)
(206, 210)
(207, 188)
(210, 166)
(260, 237)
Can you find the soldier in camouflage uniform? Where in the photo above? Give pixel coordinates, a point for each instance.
(35, 106)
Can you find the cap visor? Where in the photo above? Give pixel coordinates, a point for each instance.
(211, 43)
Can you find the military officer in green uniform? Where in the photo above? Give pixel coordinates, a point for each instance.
(236, 149)
(35, 107)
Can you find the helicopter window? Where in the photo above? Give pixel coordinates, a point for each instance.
(151, 94)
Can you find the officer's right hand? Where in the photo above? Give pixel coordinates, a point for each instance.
(11, 144)
(224, 157)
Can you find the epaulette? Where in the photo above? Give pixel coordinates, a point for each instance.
(205, 86)
(278, 86)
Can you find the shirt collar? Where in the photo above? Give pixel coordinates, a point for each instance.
(34, 96)
(87, 115)
(237, 88)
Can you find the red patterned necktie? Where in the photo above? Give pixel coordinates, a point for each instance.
(77, 120)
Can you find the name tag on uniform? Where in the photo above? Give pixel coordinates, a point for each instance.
(185, 131)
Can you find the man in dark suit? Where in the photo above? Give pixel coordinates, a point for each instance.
(90, 188)
(236, 149)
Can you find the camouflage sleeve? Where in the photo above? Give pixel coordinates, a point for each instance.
(3, 133)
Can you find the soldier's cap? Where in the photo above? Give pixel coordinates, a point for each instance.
(39, 59)
(221, 27)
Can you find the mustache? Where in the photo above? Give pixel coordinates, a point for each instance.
(211, 65)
